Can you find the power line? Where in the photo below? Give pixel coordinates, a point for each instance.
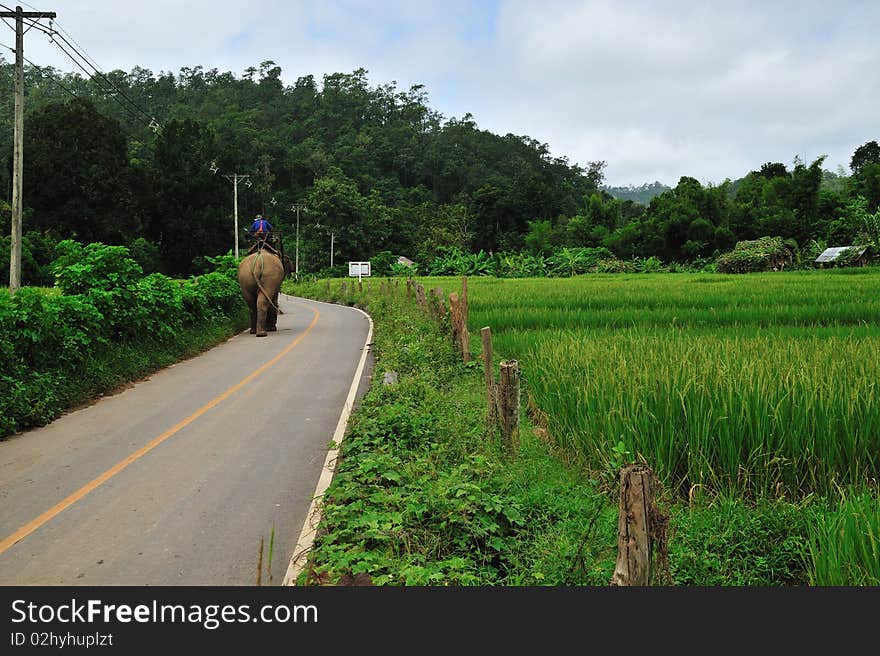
(152, 124)
(51, 78)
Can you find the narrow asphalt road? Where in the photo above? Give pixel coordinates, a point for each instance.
(177, 479)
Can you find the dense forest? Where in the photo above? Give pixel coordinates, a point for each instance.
(640, 194)
(146, 160)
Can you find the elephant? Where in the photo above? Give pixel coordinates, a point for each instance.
(260, 275)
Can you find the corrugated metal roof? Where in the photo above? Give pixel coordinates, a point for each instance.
(831, 254)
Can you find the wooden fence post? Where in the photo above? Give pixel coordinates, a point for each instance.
(420, 296)
(464, 296)
(508, 405)
(343, 288)
(463, 335)
(454, 317)
(409, 286)
(489, 376)
(634, 529)
(441, 306)
(432, 303)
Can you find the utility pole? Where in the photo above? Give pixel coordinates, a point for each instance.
(235, 177)
(18, 140)
(296, 208)
(332, 240)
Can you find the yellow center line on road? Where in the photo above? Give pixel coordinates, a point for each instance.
(59, 507)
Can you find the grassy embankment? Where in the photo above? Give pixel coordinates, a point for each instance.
(43, 388)
(704, 377)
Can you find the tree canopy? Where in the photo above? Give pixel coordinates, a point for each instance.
(375, 166)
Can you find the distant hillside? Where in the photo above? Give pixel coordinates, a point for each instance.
(641, 194)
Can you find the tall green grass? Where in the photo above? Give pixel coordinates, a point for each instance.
(845, 547)
(758, 384)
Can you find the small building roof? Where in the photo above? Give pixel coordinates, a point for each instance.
(404, 260)
(831, 254)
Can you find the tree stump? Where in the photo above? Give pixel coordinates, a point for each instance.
(634, 529)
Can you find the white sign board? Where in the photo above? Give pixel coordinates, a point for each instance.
(358, 269)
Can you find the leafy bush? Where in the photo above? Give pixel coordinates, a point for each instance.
(159, 308)
(210, 296)
(104, 274)
(403, 270)
(50, 331)
(381, 263)
(732, 543)
(575, 261)
(651, 264)
(146, 254)
(102, 306)
(763, 254)
(518, 265)
(615, 265)
(452, 261)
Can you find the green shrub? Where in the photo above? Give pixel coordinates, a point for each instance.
(381, 263)
(614, 265)
(104, 274)
(102, 324)
(146, 254)
(764, 254)
(211, 295)
(160, 306)
(734, 543)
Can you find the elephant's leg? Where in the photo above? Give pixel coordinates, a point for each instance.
(262, 312)
(272, 315)
(252, 308)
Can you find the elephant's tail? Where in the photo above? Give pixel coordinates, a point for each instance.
(257, 277)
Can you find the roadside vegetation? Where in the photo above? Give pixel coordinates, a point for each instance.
(751, 397)
(101, 325)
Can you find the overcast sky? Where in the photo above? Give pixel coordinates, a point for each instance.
(658, 90)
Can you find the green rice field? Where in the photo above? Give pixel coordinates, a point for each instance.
(755, 385)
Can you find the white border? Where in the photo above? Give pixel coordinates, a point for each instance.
(307, 535)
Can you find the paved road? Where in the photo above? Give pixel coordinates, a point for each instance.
(175, 480)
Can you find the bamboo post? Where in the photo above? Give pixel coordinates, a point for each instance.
(508, 405)
(489, 375)
(634, 530)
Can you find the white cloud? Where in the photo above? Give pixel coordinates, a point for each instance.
(657, 90)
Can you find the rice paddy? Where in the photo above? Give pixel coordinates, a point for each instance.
(757, 385)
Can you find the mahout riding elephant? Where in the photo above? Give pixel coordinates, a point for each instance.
(260, 275)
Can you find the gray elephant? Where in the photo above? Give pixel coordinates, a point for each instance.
(260, 275)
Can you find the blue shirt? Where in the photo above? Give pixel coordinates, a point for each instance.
(261, 225)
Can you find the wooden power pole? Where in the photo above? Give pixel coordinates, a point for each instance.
(18, 140)
(235, 177)
(297, 207)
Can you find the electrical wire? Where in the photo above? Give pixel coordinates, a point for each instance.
(109, 88)
(51, 78)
